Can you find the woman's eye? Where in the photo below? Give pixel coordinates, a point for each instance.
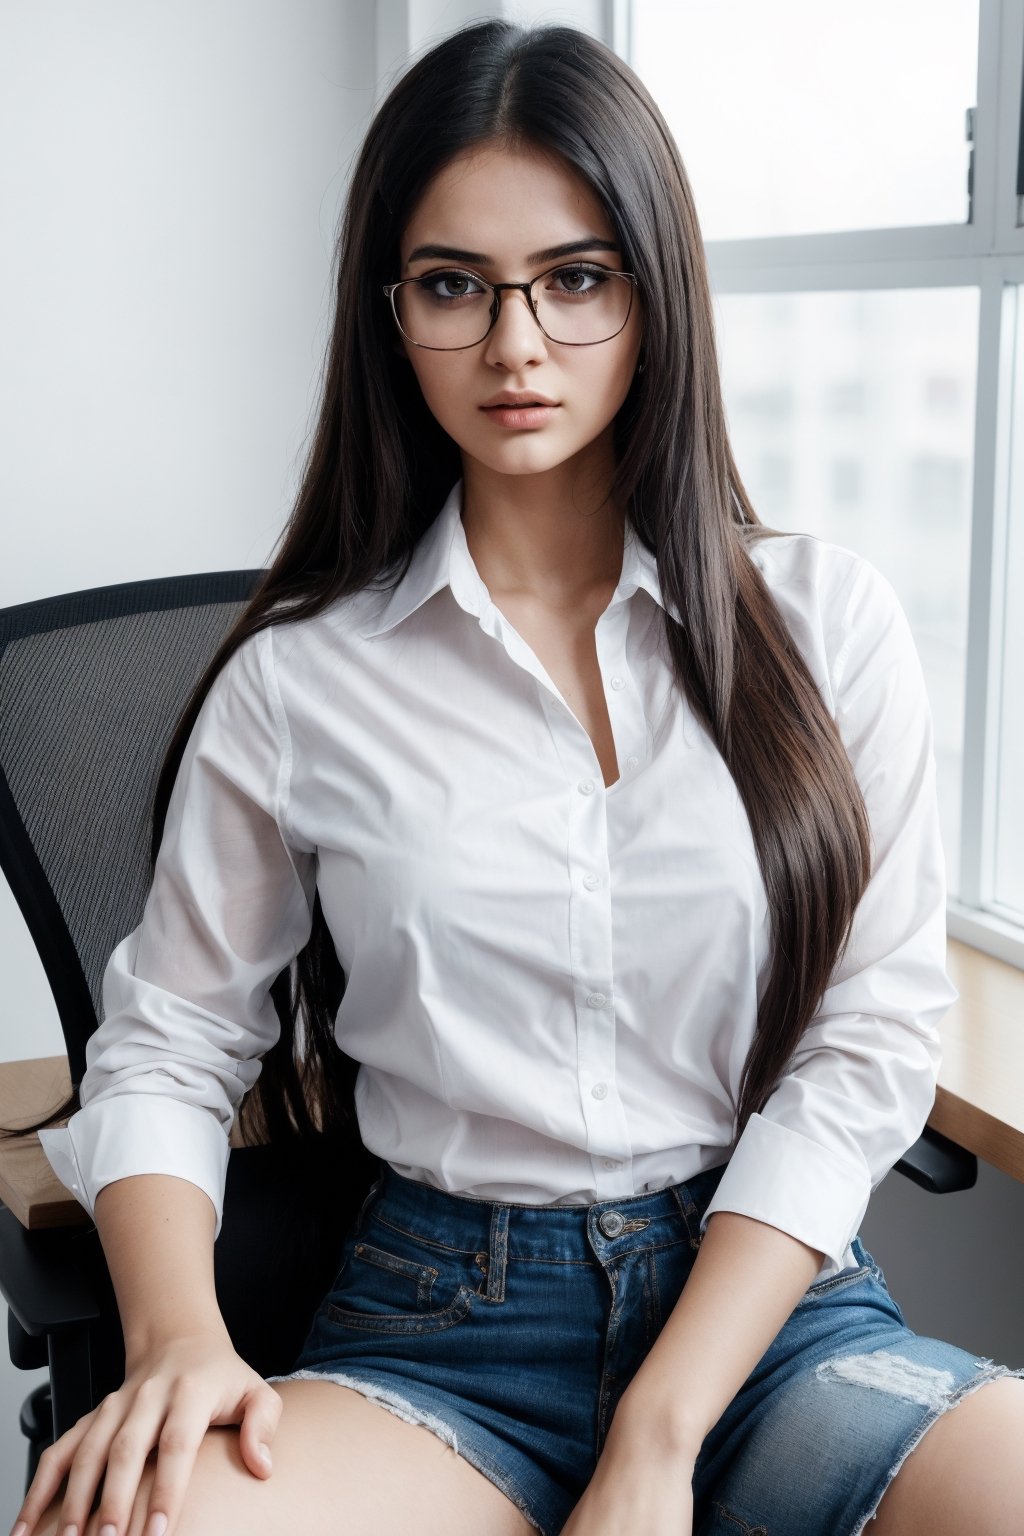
(572, 280)
(450, 285)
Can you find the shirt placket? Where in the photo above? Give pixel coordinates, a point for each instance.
(590, 896)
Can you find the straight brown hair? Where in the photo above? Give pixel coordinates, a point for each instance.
(379, 468)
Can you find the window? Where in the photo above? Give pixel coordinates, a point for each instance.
(1008, 878)
(858, 181)
(797, 115)
(864, 460)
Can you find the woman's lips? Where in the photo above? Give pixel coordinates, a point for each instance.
(519, 415)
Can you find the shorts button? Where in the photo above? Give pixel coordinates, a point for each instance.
(611, 1223)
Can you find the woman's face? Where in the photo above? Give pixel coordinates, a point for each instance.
(498, 213)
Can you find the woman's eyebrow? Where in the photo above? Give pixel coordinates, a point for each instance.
(553, 252)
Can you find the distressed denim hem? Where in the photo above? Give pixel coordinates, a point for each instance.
(968, 1387)
(395, 1403)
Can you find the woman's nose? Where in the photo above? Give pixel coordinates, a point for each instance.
(515, 337)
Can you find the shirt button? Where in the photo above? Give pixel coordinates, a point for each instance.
(618, 682)
(612, 1162)
(632, 762)
(596, 1000)
(591, 881)
(586, 786)
(600, 1090)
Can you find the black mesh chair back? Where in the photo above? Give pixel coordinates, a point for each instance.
(92, 684)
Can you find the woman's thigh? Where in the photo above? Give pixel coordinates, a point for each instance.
(823, 1425)
(336, 1454)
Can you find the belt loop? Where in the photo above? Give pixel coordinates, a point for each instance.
(687, 1208)
(498, 1254)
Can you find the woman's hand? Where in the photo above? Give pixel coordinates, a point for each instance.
(171, 1395)
(642, 1486)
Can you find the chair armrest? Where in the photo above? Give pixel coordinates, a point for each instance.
(938, 1164)
(43, 1279)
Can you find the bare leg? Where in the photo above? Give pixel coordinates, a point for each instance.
(966, 1474)
(335, 1454)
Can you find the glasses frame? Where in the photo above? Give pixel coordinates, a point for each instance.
(389, 290)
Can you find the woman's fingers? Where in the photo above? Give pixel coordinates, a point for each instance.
(170, 1411)
(182, 1434)
(263, 1407)
(52, 1468)
(115, 1453)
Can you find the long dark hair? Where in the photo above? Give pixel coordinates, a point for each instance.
(379, 468)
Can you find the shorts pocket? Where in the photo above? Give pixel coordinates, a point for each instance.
(384, 1289)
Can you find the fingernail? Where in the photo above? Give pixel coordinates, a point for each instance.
(20, 1528)
(70, 1530)
(157, 1526)
(263, 1452)
(108, 1530)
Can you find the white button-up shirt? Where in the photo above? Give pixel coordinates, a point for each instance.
(552, 985)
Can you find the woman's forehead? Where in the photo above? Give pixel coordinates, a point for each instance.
(505, 203)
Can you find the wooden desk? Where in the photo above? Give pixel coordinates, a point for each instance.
(979, 1103)
(980, 1097)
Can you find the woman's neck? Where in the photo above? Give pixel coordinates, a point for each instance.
(553, 537)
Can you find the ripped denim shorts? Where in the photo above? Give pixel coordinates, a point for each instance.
(511, 1331)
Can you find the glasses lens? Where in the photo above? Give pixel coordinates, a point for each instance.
(446, 309)
(576, 305)
(582, 304)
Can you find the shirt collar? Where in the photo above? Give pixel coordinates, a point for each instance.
(442, 558)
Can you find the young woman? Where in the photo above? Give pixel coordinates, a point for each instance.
(615, 813)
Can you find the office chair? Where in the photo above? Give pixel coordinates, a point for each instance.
(91, 685)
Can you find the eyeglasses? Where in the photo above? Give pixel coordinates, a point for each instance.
(576, 306)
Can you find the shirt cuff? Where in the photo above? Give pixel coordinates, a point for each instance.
(115, 1137)
(778, 1176)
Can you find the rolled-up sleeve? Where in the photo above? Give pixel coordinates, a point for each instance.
(860, 1086)
(187, 1012)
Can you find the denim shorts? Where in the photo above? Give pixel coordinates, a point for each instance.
(511, 1331)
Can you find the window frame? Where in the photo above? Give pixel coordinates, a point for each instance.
(986, 254)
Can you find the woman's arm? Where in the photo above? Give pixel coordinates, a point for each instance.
(157, 1237)
(181, 1370)
(745, 1281)
(860, 1085)
(188, 1017)
(187, 1010)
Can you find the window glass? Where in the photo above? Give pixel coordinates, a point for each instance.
(1009, 849)
(851, 417)
(796, 116)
